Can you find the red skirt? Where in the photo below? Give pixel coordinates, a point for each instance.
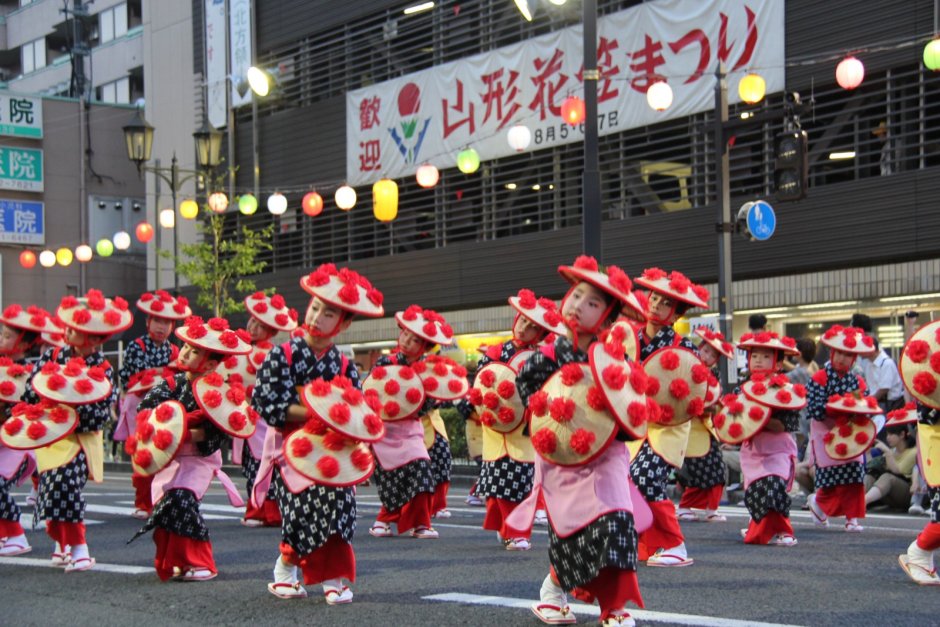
(664, 533)
(497, 511)
(701, 498)
(769, 526)
(413, 514)
(180, 552)
(842, 500)
(333, 560)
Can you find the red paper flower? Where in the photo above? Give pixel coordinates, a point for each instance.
(841, 449)
(235, 395)
(700, 373)
(81, 316)
(214, 378)
(319, 387)
(143, 458)
(755, 413)
(527, 299)
(652, 386)
(361, 459)
(544, 441)
(821, 378)
(585, 262)
(696, 407)
(654, 274)
(735, 430)
(506, 415)
(328, 466)
(334, 441)
(596, 399)
(456, 386)
(487, 378)
(491, 400)
(581, 441)
(83, 386)
(571, 373)
(925, 383)
(352, 396)
(164, 413)
(638, 379)
(935, 362)
(56, 382)
(784, 396)
(487, 418)
(562, 409)
(301, 447)
(392, 409)
(638, 413)
(59, 415)
(430, 384)
(373, 424)
(315, 426)
(669, 360)
(413, 396)
(378, 373)
(13, 426)
(162, 439)
(392, 387)
(538, 403)
(339, 413)
(7, 388)
(506, 389)
(614, 376)
(679, 389)
(218, 324)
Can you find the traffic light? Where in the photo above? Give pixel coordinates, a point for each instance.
(791, 167)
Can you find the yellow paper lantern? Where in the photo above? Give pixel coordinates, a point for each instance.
(468, 161)
(345, 198)
(64, 256)
(218, 202)
(189, 209)
(385, 200)
(752, 88)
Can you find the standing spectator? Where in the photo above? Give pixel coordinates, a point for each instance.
(883, 379)
(886, 159)
(801, 373)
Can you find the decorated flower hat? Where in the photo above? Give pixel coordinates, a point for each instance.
(225, 403)
(145, 380)
(920, 364)
(675, 286)
(851, 404)
(159, 435)
(713, 394)
(622, 385)
(519, 358)
(344, 408)
(243, 369)
(33, 319)
(427, 324)
(495, 398)
(848, 340)
(328, 457)
(624, 332)
(849, 437)
(570, 424)
(161, 304)
(443, 378)
(345, 289)
(38, 425)
(613, 281)
(56, 337)
(95, 314)
(398, 391)
(13, 377)
(214, 336)
(775, 391)
(75, 383)
(904, 416)
(739, 418)
(541, 311)
(716, 340)
(678, 382)
(769, 340)
(271, 311)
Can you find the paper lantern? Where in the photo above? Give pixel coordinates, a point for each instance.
(345, 198)
(312, 204)
(218, 202)
(659, 95)
(277, 203)
(47, 259)
(104, 247)
(519, 137)
(850, 73)
(572, 110)
(385, 200)
(189, 209)
(932, 55)
(247, 204)
(752, 88)
(468, 161)
(427, 175)
(122, 241)
(83, 253)
(64, 256)
(143, 231)
(28, 259)
(167, 218)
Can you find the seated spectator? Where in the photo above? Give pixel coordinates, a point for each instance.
(888, 474)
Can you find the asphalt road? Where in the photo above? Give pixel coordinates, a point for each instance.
(465, 577)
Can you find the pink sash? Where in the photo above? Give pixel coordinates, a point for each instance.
(127, 421)
(273, 457)
(817, 430)
(191, 471)
(768, 454)
(12, 459)
(403, 442)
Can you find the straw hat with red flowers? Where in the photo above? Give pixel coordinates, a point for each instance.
(37, 425)
(398, 391)
(739, 418)
(678, 382)
(770, 341)
(612, 280)
(159, 435)
(225, 403)
(328, 457)
(344, 408)
(32, 319)
(775, 391)
(271, 311)
(74, 383)
(854, 431)
(495, 398)
(161, 304)
(675, 286)
(540, 311)
(848, 340)
(920, 365)
(214, 336)
(345, 289)
(904, 416)
(427, 324)
(13, 377)
(443, 378)
(622, 384)
(716, 340)
(94, 314)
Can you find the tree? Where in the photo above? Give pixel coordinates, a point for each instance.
(221, 267)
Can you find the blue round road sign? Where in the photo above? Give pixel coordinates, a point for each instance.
(761, 220)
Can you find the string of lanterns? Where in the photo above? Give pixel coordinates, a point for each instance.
(849, 74)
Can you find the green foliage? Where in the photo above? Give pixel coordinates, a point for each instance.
(456, 431)
(220, 267)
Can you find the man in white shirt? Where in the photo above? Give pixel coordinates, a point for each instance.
(883, 379)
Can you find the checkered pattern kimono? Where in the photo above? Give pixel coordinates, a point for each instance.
(310, 517)
(60, 489)
(931, 417)
(707, 471)
(144, 353)
(9, 510)
(816, 398)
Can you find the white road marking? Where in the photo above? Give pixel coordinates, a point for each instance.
(127, 511)
(591, 610)
(26, 520)
(104, 568)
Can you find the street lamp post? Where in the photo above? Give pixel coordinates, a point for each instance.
(725, 226)
(591, 193)
(138, 136)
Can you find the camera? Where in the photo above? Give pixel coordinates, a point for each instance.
(911, 314)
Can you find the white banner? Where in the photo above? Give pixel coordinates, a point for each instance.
(429, 116)
(240, 51)
(216, 83)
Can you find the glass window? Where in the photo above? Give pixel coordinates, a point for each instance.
(113, 23)
(34, 55)
(118, 92)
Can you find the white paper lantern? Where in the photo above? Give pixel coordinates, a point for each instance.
(659, 95)
(345, 198)
(850, 73)
(83, 253)
(122, 240)
(47, 259)
(519, 137)
(277, 203)
(167, 218)
(427, 175)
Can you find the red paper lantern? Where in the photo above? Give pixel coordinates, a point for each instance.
(144, 232)
(312, 204)
(572, 110)
(27, 259)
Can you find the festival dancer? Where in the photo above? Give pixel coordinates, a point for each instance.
(183, 547)
(703, 474)
(412, 479)
(19, 337)
(508, 457)
(144, 360)
(66, 465)
(318, 520)
(840, 483)
(268, 316)
(592, 536)
(670, 296)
